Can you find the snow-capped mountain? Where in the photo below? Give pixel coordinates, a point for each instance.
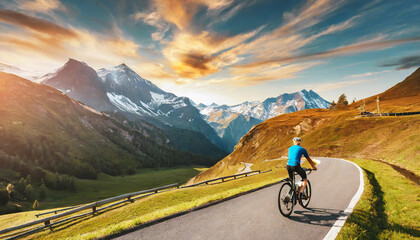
(80, 82)
(232, 122)
(285, 103)
(132, 94)
(122, 90)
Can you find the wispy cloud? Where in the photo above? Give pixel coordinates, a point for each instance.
(36, 24)
(42, 6)
(340, 51)
(337, 85)
(404, 63)
(368, 74)
(40, 37)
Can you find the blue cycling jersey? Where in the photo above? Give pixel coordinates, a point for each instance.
(295, 154)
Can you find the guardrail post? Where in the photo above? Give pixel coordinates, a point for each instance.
(129, 199)
(246, 175)
(47, 222)
(223, 180)
(94, 209)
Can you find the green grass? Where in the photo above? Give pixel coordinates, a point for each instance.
(148, 209)
(108, 186)
(389, 207)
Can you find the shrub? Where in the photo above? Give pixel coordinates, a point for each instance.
(29, 193)
(10, 187)
(35, 205)
(60, 182)
(42, 192)
(21, 186)
(4, 197)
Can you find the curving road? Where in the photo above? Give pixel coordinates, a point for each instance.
(256, 216)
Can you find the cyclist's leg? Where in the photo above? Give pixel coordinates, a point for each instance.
(302, 174)
(290, 170)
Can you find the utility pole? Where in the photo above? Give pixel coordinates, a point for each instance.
(377, 101)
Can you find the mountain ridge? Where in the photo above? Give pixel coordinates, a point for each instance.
(44, 128)
(226, 120)
(339, 133)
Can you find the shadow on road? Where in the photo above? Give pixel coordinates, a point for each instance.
(317, 216)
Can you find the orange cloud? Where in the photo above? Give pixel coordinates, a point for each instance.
(36, 24)
(57, 43)
(196, 55)
(180, 12)
(43, 6)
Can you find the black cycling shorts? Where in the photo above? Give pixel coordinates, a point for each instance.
(298, 169)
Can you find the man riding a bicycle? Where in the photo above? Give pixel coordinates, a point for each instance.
(293, 164)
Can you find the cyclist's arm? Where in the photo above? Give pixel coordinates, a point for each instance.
(311, 162)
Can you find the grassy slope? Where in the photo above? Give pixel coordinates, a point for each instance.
(108, 186)
(389, 207)
(147, 209)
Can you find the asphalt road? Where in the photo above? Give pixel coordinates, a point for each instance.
(256, 215)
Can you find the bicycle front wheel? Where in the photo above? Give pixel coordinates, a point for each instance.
(305, 198)
(285, 200)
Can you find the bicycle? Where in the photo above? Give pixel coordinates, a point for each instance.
(289, 195)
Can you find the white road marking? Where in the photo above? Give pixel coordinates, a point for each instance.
(335, 229)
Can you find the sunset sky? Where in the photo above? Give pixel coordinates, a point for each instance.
(223, 51)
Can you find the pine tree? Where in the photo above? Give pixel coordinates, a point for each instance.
(333, 104)
(342, 100)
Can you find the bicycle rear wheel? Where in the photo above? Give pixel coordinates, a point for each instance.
(285, 199)
(308, 193)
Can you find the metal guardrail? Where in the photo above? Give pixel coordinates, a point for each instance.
(55, 211)
(130, 197)
(368, 114)
(226, 177)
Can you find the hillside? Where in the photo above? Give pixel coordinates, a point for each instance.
(43, 129)
(335, 133)
(403, 97)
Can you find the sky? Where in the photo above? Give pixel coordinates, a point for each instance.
(223, 51)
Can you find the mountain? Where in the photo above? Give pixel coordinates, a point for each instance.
(121, 89)
(42, 130)
(80, 82)
(232, 122)
(285, 103)
(237, 128)
(339, 133)
(132, 94)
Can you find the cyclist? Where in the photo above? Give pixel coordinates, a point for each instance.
(293, 164)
